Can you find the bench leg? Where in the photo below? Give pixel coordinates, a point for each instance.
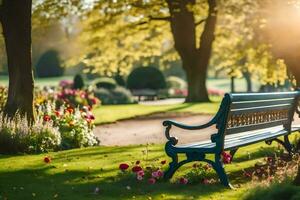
(285, 143)
(219, 168)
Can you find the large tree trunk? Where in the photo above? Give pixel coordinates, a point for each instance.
(195, 60)
(16, 23)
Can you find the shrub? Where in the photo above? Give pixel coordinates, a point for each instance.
(76, 98)
(119, 95)
(105, 82)
(17, 136)
(146, 78)
(122, 96)
(174, 82)
(105, 95)
(49, 65)
(120, 80)
(78, 82)
(75, 125)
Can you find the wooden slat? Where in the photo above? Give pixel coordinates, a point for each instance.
(259, 103)
(262, 96)
(251, 127)
(243, 140)
(261, 109)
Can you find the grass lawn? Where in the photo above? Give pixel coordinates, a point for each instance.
(113, 113)
(76, 173)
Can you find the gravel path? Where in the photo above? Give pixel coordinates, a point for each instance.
(150, 130)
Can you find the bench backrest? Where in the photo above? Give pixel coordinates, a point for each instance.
(241, 112)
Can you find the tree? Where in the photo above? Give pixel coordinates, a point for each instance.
(15, 18)
(147, 29)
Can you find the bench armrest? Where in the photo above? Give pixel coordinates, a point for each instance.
(169, 123)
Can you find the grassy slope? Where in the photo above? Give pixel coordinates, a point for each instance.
(74, 175)
(108, 114)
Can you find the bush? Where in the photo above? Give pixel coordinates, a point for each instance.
(17, 136)
(119, 95)
(75, 125)
(49, 65)
(106, 83)
(120, 80)
(174, 82)
(76, 98)
(78, 82)
(146, 78)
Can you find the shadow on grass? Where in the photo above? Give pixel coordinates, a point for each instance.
(47, 181)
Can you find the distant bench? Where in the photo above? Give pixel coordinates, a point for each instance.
(149, 93)
(242, 119)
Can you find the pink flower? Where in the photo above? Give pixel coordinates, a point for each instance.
(123, 166)
(226, 157)
(140, 173)
(151, 181)
(205, 181)
(160, 173)
(183, 181)
(136, 169)
(154, 174)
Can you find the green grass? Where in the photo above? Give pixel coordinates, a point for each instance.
(40, 81)
(76, 173)
(113, 113)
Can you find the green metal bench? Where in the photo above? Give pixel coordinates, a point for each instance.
(243, 119)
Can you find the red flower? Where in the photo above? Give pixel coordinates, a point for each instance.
(136, 169)
(247, 174)
(269, 159)
(47, 159)
(183, 181)
(123, 166)
(151, 181)
(163, 162)
(47, 118)
(226, 157)
(57, 113)
(70, 110)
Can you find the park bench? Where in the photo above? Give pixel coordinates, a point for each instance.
(150, 94)
(242, 119)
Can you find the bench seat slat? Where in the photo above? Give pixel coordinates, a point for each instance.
(259, 103)
(246, 138)
(263, 96)
(260, 109)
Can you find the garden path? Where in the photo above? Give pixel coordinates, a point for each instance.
(149, 129)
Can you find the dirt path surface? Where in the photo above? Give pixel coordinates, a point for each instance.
(150, 130)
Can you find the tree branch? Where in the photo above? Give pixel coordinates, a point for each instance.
(160, 18)
(200, 22)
